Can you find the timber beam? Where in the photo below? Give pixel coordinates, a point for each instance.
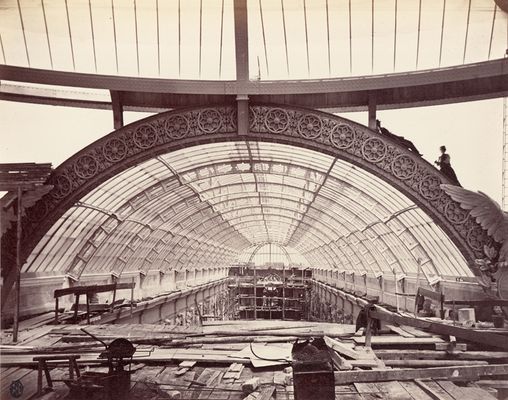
(459, 373)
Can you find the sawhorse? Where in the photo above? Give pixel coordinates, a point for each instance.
(43, 366)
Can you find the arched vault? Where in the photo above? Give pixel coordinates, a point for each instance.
(186, 188)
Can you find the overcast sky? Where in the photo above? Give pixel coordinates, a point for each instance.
(472, 132)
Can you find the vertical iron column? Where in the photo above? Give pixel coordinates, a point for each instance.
(372, 112)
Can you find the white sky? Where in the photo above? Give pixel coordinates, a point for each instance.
(472, 132)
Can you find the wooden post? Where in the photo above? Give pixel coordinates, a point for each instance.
(88, 308)
(132, 294)
(49, 381)
(283, 292)
(114, 298)
(76, 305)
(15, 325)
(343, 309)
(255, 295)
(368, 331)
(39, 378)
(418, 261)
(56, 310)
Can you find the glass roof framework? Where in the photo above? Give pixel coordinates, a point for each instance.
(288, 39)
(211, 205)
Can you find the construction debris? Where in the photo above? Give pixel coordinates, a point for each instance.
(207, 364)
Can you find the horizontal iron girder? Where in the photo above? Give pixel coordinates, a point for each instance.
(400, 90)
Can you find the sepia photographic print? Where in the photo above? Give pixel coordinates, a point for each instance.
(254, 199)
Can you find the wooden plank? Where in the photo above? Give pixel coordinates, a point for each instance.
(464, 393)
(395, 354)
(451, 346)
(76, 290)
(366, 387)
(430, 363)
(187, 364)
(368, 391)
(415, 332)
(462, 372)
(204, 376)
(501, 384)
(340, 348)
(181, 371)
(433, 389)
(266, 393)
(440, 328)
(366, 363)
(339, 362)
(414, 390)
(213, 378)
(359, 332)
(397, 340)
(393, 390)
(400, 331)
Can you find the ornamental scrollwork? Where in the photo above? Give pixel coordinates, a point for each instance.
(276, 120)
(374, 150)
(144, 136)
(342, 136)
(310, 126)
(209, 120)
(476, 237)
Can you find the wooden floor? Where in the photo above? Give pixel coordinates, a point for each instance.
(214, 361)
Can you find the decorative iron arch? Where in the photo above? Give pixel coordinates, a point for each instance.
(314, 130)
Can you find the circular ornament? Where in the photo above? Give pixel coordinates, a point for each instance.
(310, 126)
(429, 187)
(177, 126)
(61, 187)
(342, 136)
(86, 166)
(276, 120)
(114, 150)
(374, 150)
(455, 213)
(209, 120)
(403, 167)
(144, 136)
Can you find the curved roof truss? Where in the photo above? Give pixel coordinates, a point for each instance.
(183, 188)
